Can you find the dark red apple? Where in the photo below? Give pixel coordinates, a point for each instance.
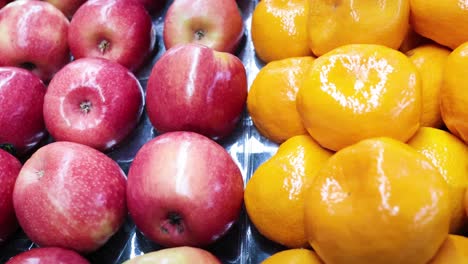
(214, 23)
(9, 170)
(176, 255)
(184, 190)
(70, 195)
(50, 255)
(93, 101)
(118, 30)
(68, 7)
(21, 99)
(194, 88)
(4, 2)
(34, 37)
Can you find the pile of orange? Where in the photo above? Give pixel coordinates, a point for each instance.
(369, 103)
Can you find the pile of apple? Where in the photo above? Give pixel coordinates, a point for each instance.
(67, 70)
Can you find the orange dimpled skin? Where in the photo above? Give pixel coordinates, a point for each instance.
(378, 201)
(453, 251)
(444, 21)
(454, 93)
(271, 101)
(360, 91)
(334, 23)
(274, 196)
(430, 62)
(450, 156)
(279, 29)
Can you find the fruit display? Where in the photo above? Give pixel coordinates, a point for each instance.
(233, 131)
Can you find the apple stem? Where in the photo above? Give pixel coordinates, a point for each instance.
(199, 34)
(85, 106)
(173, 220)
(103, 46)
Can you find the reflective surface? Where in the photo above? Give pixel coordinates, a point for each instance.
(242, 244)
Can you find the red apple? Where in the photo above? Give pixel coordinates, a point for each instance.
(118, 30)
(9, 170)
(21, 99)
(93, 101)
(214, 23)
(177, 255)
(194, 88)
(49, 255)
(68, 7)
(70, 195)
(184, 190)
(34, 36)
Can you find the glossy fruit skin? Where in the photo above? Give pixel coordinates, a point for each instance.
(194, 88)
(176, 255)
(450, 156)
(218, 21)
(21, 120)
(271, 101)
(9, 170)
(70, 195)
(115, 100)
(284, 24)
(184, 189)
(453, 95)
(294, 256)
(333, 24)
(68, 7)
(360, 197)
(48, 255)
(360, 91)
(23, 46)
(430, 61)
(124, 26)
(275, 194)
(451, 31)
(453, 251)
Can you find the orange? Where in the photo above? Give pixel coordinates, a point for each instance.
(294, 256)
(271, 101)
(334, 23)
(454, 93)
(360, 91)
(444, 21)
(453, 251)
(430, 61)
(279, 29)
(274, 195)
(450, 156)
(378, 201)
